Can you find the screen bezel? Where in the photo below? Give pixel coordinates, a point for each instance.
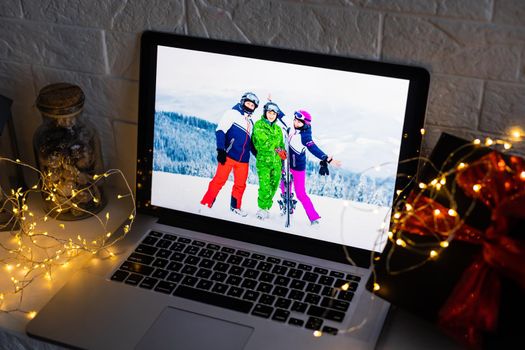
(409, 149)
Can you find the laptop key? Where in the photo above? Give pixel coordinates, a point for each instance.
(170, 237)
(280, 291)
(218, 276)
(163, 243)
(178, 256)
(351, 277)
(296, 322)
(242, 253)
(148, 283)
(282, 281)
(228, 250)
(119, 276)
(305, 267)
(213, 246)
(251, 295)
(165, 287)
(258, 256)
(298, 306)
(262, 310)
(235, 291)
(189, 269)
(219, 288)
(280, 270)
(234, 280)
(298, 284)
(221, 267)
(310, 277)
(220, 256)
(335, 304)
(184, 240)
(155, 234)
(141, 258)
(204, 284)
(236, 270)
(337, 274)
(164, 253)
(264, 266)
(150, 240)
(281, 315)
(330, 330)
(339, 283)
(314, 323)
(313, 288)
(248, 283)
(174, 277)
(328, 314)
(206, 297)
(146, 249)
(320, 270)
(204, 273)
(312, 299)
(266, 277)
(235, 259)
(264, 287)
(189, 281)
(206, 253)
(206, 263)
(329, 292)
(267, 299)
(192, 250)
(174, 266)
(134, 279)
(273, 260)
(160, 273)
(345, 295)
(137, 268)
(295, 273)
(249, 263)
(198, 243)
(249, 273)
(296, 295)
(326, 280)
(160, 263)
(177, 247)
(192, 260)
(289, 263)
(283, 303)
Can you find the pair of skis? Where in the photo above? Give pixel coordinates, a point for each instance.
(287, 202)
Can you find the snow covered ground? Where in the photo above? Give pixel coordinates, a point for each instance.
(342, 222)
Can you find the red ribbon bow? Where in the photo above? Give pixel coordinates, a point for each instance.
(472, 307)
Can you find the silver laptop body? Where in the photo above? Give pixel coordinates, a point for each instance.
(102, 307)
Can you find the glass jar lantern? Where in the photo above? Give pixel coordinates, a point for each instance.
(67, 151)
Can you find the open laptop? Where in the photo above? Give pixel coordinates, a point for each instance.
(217, 276)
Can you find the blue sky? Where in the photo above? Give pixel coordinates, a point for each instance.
(357, 118)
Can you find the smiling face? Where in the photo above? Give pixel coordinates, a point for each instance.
(250, 105)
(298, 124)
(271, 116)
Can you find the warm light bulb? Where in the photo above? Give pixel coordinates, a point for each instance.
(433, 254)
(423, 131)
(31, 314)
(476, 187)
(401, 243)
(452, 212)
(437, 212)
(345, 286)
(422, 185)
(376, 287)
(443, 244)
(461, 165)
(477, 141)
(488, 141)
(507, 145)
(317, 334)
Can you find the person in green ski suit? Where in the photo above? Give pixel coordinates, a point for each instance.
(268, 142)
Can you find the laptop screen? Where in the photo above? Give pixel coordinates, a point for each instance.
(324, 167)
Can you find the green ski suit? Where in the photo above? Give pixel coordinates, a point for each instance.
(267, 137)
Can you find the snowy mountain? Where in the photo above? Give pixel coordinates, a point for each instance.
(186, 145)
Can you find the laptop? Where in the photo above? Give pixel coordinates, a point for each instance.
(200, 269)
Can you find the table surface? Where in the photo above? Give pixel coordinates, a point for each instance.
(401, 330)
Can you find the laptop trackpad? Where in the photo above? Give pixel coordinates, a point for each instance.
(179, 329)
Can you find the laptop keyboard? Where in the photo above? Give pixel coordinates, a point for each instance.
(265, 286)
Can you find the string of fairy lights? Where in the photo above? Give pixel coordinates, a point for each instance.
(32, 253)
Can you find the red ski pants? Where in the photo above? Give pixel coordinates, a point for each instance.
(240, 174)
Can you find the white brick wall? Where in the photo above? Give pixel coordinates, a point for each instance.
(475, 50)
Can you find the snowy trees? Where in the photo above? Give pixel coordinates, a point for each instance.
(186, 145)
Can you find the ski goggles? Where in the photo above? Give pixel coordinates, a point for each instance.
(298, 115)
(272, 107)
(249, 96)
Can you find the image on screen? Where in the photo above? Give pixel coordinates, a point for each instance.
(212, 154)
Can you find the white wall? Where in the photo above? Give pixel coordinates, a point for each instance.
(475, 50)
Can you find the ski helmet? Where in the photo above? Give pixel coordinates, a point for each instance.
(271, 106)
(303, 116)
(249, 96)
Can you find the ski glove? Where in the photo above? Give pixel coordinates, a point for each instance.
(221, 156)
(323, 170)
(282, 153)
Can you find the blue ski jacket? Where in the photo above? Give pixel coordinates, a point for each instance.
(234, 134)
(299, 142)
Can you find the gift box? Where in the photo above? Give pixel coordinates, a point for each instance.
(456, 249)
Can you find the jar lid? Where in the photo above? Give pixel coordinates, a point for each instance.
(60, 99)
